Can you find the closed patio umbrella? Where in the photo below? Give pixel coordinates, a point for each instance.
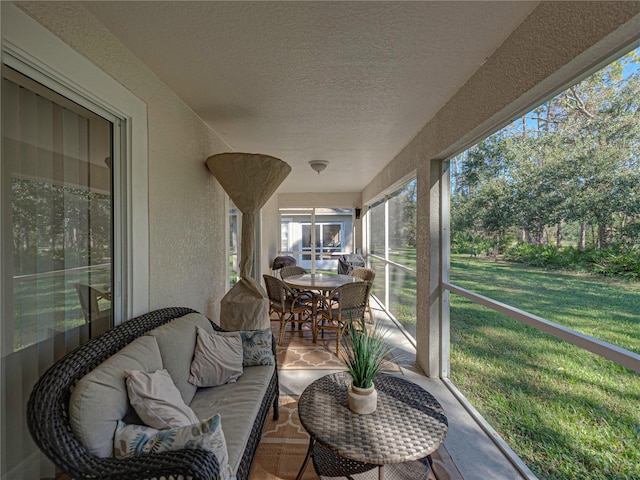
(249, 179)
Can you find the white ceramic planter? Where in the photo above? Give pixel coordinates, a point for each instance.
(362, 400)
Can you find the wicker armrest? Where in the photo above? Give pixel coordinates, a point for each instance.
(189, 463)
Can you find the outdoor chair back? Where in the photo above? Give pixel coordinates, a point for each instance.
(368, 275)
(348, 303)
(291, 270)
(364, 273)
(89, 297)
(286, 303)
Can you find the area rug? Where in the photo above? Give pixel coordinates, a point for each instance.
(298, 352)
(284, 446)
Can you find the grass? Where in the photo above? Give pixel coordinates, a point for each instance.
(604, 308)
(566, 412)
(402, 287)
(49, 303)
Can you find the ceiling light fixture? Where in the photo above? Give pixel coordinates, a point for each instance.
(318, 165)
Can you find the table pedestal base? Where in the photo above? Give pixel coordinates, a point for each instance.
(330, 466)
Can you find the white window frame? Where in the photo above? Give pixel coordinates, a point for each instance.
(227, 232)
(27, 44)
(384, 201)
(314, 242)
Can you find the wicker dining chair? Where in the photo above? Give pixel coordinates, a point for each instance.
(368, 275)
(287, 303)
(93, 314)
(291, 270)
(348, 303)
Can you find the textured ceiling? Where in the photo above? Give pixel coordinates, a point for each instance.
(347, 82)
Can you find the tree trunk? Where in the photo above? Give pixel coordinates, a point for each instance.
(583, 236)
(602, 236)
(559, 235)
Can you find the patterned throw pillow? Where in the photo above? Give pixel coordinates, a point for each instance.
(256, 346)
(131, 440)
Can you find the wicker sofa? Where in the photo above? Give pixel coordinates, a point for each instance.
(51, 424)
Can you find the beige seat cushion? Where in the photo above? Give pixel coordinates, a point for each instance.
(238, 405)
(177, 341)
(100, 399)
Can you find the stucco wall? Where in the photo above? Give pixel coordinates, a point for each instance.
(270, 239)
(302, 200)
(557, 43)
(186, 204)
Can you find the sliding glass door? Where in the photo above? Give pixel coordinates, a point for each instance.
(57, 209)
(316, 237)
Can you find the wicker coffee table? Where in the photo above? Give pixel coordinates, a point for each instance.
(409, 424)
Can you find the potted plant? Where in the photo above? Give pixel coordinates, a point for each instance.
(364, 351)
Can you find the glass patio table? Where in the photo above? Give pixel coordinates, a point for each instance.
(319, 284)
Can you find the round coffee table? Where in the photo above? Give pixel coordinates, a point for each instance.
(409, 424)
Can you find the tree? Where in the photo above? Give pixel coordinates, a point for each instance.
(573, 160)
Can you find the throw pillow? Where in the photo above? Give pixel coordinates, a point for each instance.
(157, 400)
(217, 359)
(256, 346)
(131, 440)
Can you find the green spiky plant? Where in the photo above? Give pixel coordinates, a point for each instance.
(364, 351)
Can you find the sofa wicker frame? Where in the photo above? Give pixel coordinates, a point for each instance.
(48, 415)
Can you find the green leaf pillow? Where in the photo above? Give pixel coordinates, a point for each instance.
(132, 440)
(256, 346)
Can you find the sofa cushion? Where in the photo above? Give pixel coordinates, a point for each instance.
(131, 440)
(100, 400)
(217, 359)
(177, 341)
(238, 405)
(157, 401)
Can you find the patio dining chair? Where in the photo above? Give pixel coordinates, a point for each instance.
(368, 275)
(348, 303)
(283, 261)
(287, 303)
(291, 270)
(91, 308)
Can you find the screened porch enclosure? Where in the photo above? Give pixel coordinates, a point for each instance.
(544, 353)
(413, 282)
(392, 252)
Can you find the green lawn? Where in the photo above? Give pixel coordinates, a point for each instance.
(402, 287)
(49, 303)
(594, 305)
(568, 413)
